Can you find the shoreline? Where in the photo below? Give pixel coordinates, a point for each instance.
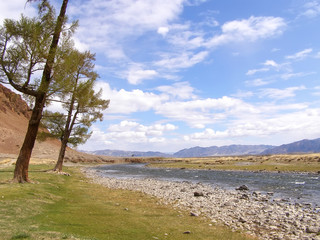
(235, 170)
(246, 211)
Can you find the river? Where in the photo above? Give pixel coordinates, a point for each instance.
(292, 187)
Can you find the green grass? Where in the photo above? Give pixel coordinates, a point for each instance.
(70, 207)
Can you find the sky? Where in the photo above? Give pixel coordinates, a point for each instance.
(185, 73)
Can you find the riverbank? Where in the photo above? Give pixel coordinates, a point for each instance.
(246, 211)
(56, 207)
(282, 162)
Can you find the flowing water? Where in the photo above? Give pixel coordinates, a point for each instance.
(293, 187)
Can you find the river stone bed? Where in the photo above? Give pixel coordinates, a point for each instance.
(252, 212)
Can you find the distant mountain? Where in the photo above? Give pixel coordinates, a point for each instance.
(191, 152)
(231, 150)
(119, 153)
(303, 146)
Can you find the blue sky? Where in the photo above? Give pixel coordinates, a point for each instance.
(184, 73)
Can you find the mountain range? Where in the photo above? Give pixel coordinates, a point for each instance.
(303, 146)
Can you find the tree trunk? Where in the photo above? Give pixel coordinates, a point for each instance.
(22, 164)
(67, 132)
(59, 164)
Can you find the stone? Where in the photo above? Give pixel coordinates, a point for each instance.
(244, 197)
(312, 229)
(242, 188)
(256, 194)
(198, 194)
(192, 214)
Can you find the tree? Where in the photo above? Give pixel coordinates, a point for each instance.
(82, 104)
(27, 46)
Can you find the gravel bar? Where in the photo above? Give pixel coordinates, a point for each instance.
(251, 212)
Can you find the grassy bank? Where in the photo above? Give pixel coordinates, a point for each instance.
(69, 207)
(292, 162)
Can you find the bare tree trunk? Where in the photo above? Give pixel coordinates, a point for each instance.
(22, 164)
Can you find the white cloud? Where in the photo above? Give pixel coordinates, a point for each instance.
(300, 55)
(254, 71)
(104, 24)
(243, 94)
(277, 94)
(186, 36)
(163, 31)
(180, 90)
(287, 76)
(294, 125)
(126, 102)
(137, 75)
(271, 63)
(311, 9)
(317, 91)
(14, 8)
(136, 132)
(250, 29)
(204, 111)
(257, 82)
(184, 60)
(80, 45)
(208, 133)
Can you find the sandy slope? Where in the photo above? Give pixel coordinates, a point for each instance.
(14, 117)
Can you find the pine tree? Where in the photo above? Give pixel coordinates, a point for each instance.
(27, 46)
(82, 104)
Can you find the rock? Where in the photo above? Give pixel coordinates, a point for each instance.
(311, 229)
(242, 188)
(192, 214)
(227, 204)
(256, 194)
(242, 220)
(198, 194)
(245, 197)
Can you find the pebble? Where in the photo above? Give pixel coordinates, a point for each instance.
(246, 212)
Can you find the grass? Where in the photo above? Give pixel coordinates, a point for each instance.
(297, 163)
(70, 207)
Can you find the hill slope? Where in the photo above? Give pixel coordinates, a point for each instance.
(14, 118)
(119, 153)
(303, 146)
(231, 150)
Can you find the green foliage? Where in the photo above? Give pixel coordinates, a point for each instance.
(54, 122)
(24, 48)
(75, 78)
